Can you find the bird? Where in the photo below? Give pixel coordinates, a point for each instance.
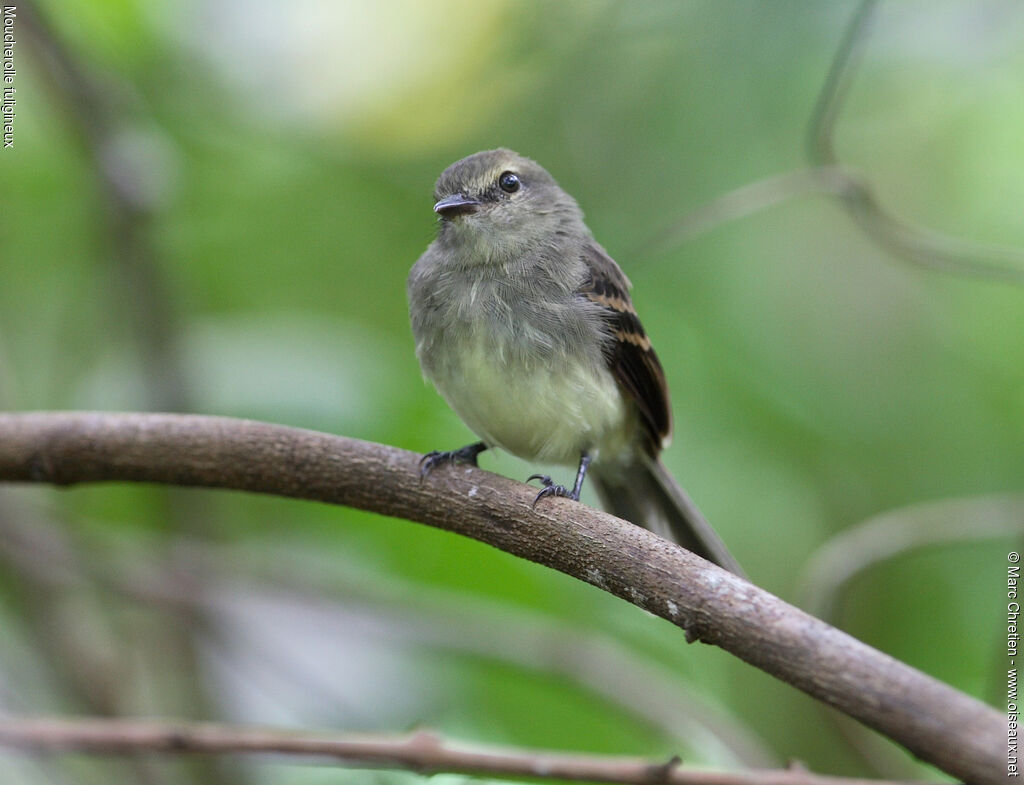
(524, 324)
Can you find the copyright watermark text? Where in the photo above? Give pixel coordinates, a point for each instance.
(8, 101)
(1012, 639)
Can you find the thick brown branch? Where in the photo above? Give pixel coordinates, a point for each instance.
(947, 728)
(422, 752)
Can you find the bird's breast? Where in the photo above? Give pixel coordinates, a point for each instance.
(526, 372)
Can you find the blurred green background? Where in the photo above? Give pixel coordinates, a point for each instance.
(212, 207)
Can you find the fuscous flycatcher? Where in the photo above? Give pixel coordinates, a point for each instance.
(524, 324)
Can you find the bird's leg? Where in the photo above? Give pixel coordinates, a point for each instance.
(550, 489)
(465, 454)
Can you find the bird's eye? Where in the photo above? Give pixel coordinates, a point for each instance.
(509, 182)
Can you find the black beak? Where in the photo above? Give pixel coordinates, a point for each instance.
(456, 204)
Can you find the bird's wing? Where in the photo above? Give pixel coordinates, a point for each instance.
(630, 357)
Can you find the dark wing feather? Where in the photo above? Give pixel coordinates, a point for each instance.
(630, 357)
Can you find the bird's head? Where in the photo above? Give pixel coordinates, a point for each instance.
(501, 203)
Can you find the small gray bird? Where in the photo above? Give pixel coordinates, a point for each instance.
(524, 324)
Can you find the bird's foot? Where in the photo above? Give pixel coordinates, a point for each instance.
(551, 489)
(435, 458)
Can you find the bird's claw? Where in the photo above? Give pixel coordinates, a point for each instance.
(550, 489)
(434, 458)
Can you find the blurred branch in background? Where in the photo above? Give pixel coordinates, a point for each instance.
(402, 613)
(439, 619)
(895, 532)
(424, 617)
(821, 129)
(855, 192)
(914, 243)
(57, 607)
(422, 752)
(43, 558)
(133, 164)
(937, 723)
(832, 569)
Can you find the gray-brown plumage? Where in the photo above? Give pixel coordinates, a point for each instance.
(525, 325)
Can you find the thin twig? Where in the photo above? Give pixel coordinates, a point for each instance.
(422, 752)
(821, 128)
(934, 721)
(916, 244)
(441, 619)
(894, 532)
(832, 567)
(743, 201)
(855, 192)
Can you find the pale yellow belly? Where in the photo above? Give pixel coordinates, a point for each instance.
(550, 412)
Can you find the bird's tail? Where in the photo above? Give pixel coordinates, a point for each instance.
(647, 495)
